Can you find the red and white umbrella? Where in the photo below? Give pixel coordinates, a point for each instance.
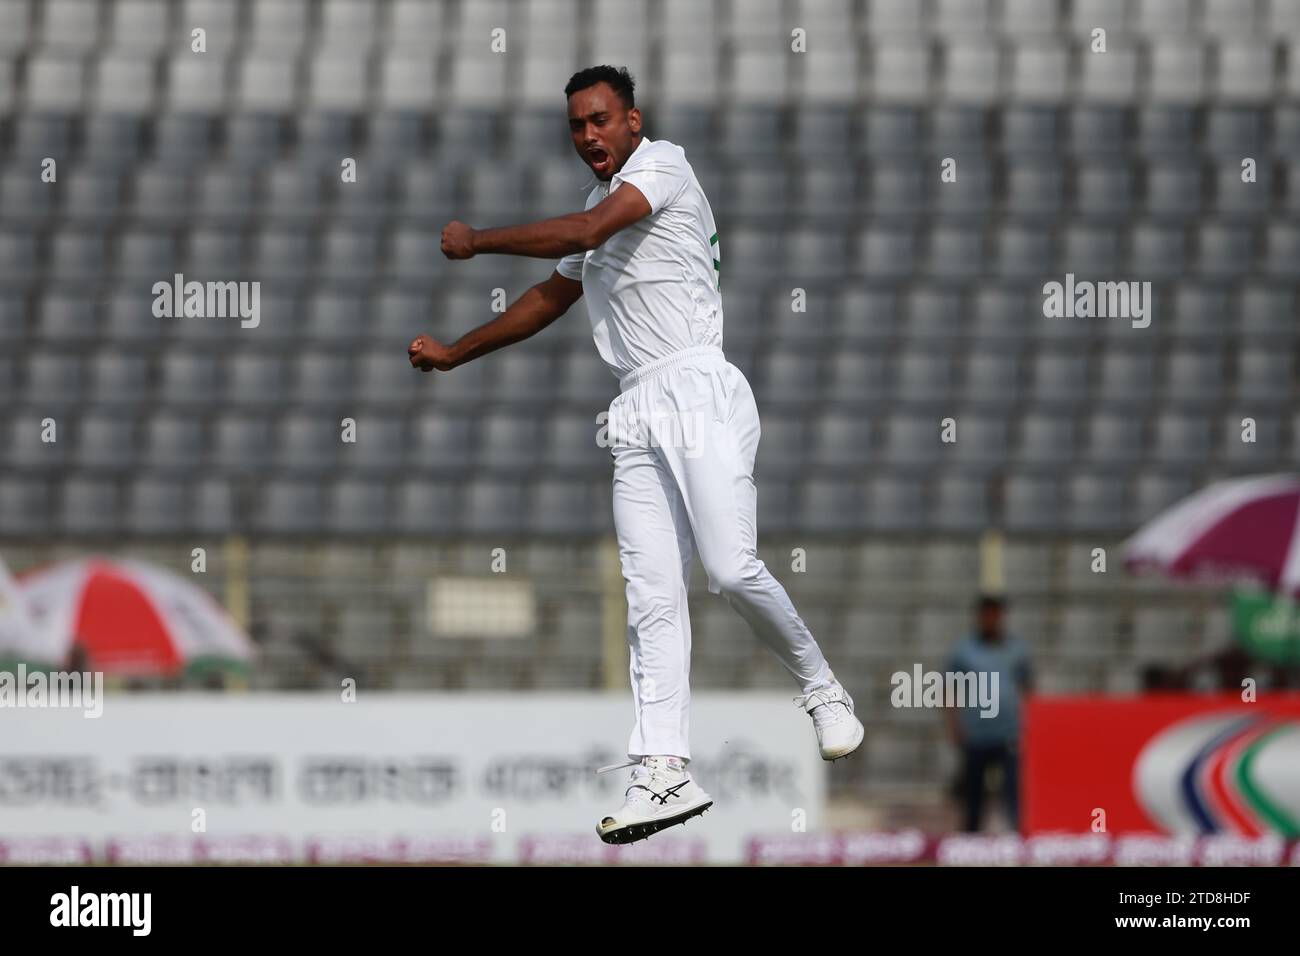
(1240, 528)
(128, 617)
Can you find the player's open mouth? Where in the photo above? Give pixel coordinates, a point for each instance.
(599, 160)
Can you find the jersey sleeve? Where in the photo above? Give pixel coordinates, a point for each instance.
(571, 266)
(660, 179)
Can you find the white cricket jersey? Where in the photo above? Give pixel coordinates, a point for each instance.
(652, 289)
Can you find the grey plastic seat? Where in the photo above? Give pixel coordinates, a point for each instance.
(956, 253)
(322, 378)
(1035, 187)
(214, 507)
(350, 254)
(415, 255)
(224, 195)
(337, 317)
(892, 504)
(105, 441)
(53, 379)
(1089, 250)
(1236, 130)
(428, 508)
(1125, 376)
(570, 442)
(1182, 438)
(1047, 440)
(1174, 188)
(524, 378)
(1160, 252)
(1283, 249)
(1267, 446)
(1095, 502)
(146, 254)
(308, 442)
(358, 506)
(1032, 128)
(173, 441)
(961, 503)
(1103, 189)
(157, 506)
(856, 378)
(897, 186)
(497, 192)
(815, 253)
(17, 257)
(1060, 377)
(242, 442)
(1023, 251)
(982, 441)
(66, 316)
(912, 440)
(380, 444)
(1031, 503)
(284, 253)
(787, 443)
(1039, 72)
(585, 379)
(25, 198)
(817, 126)
(161, 194)
(124, 83)
(1266, 314)
(1098, 130)
(139, 25)
(290, 506)
(1194, 376)
(216, 252)
(923, 377)
(187, 378)
(750, 131)
(1201, 312)
(1226, 251)
(788, 378)
(442, 441)
(494, 507)
(79, 256)
(885, 252)
(24, 445)
(13, 318)
(839, 440)
(279, 27)
(829, 505)
(1265, 376)
(55, 82)
(992, 377)
(1115, 439)
(892, 129)
(385, 378)
(565, 506)
(1156, 491)
(89, 506)
(294, 191)
(507, 442)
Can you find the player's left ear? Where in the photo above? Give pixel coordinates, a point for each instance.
(634, 120)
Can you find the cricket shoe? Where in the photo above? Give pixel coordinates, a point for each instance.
(658, 797)
(839, 732)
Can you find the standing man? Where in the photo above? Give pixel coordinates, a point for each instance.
(683, 431)
(990, 741)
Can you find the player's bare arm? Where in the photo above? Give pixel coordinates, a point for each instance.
(550, 238)
(533, 311)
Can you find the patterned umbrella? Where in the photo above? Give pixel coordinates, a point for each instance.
(1240, 528)
(128, 617)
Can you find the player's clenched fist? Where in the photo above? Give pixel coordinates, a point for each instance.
(457, 240)
(427, 353)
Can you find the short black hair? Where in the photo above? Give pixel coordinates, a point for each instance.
(616, 76)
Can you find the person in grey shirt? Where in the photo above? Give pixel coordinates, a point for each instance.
(990, 736)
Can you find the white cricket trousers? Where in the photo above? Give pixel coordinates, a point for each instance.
(683, 433)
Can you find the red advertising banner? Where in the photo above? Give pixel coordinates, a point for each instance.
(1171, 764)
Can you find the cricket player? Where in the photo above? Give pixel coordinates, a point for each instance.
(683, 431)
